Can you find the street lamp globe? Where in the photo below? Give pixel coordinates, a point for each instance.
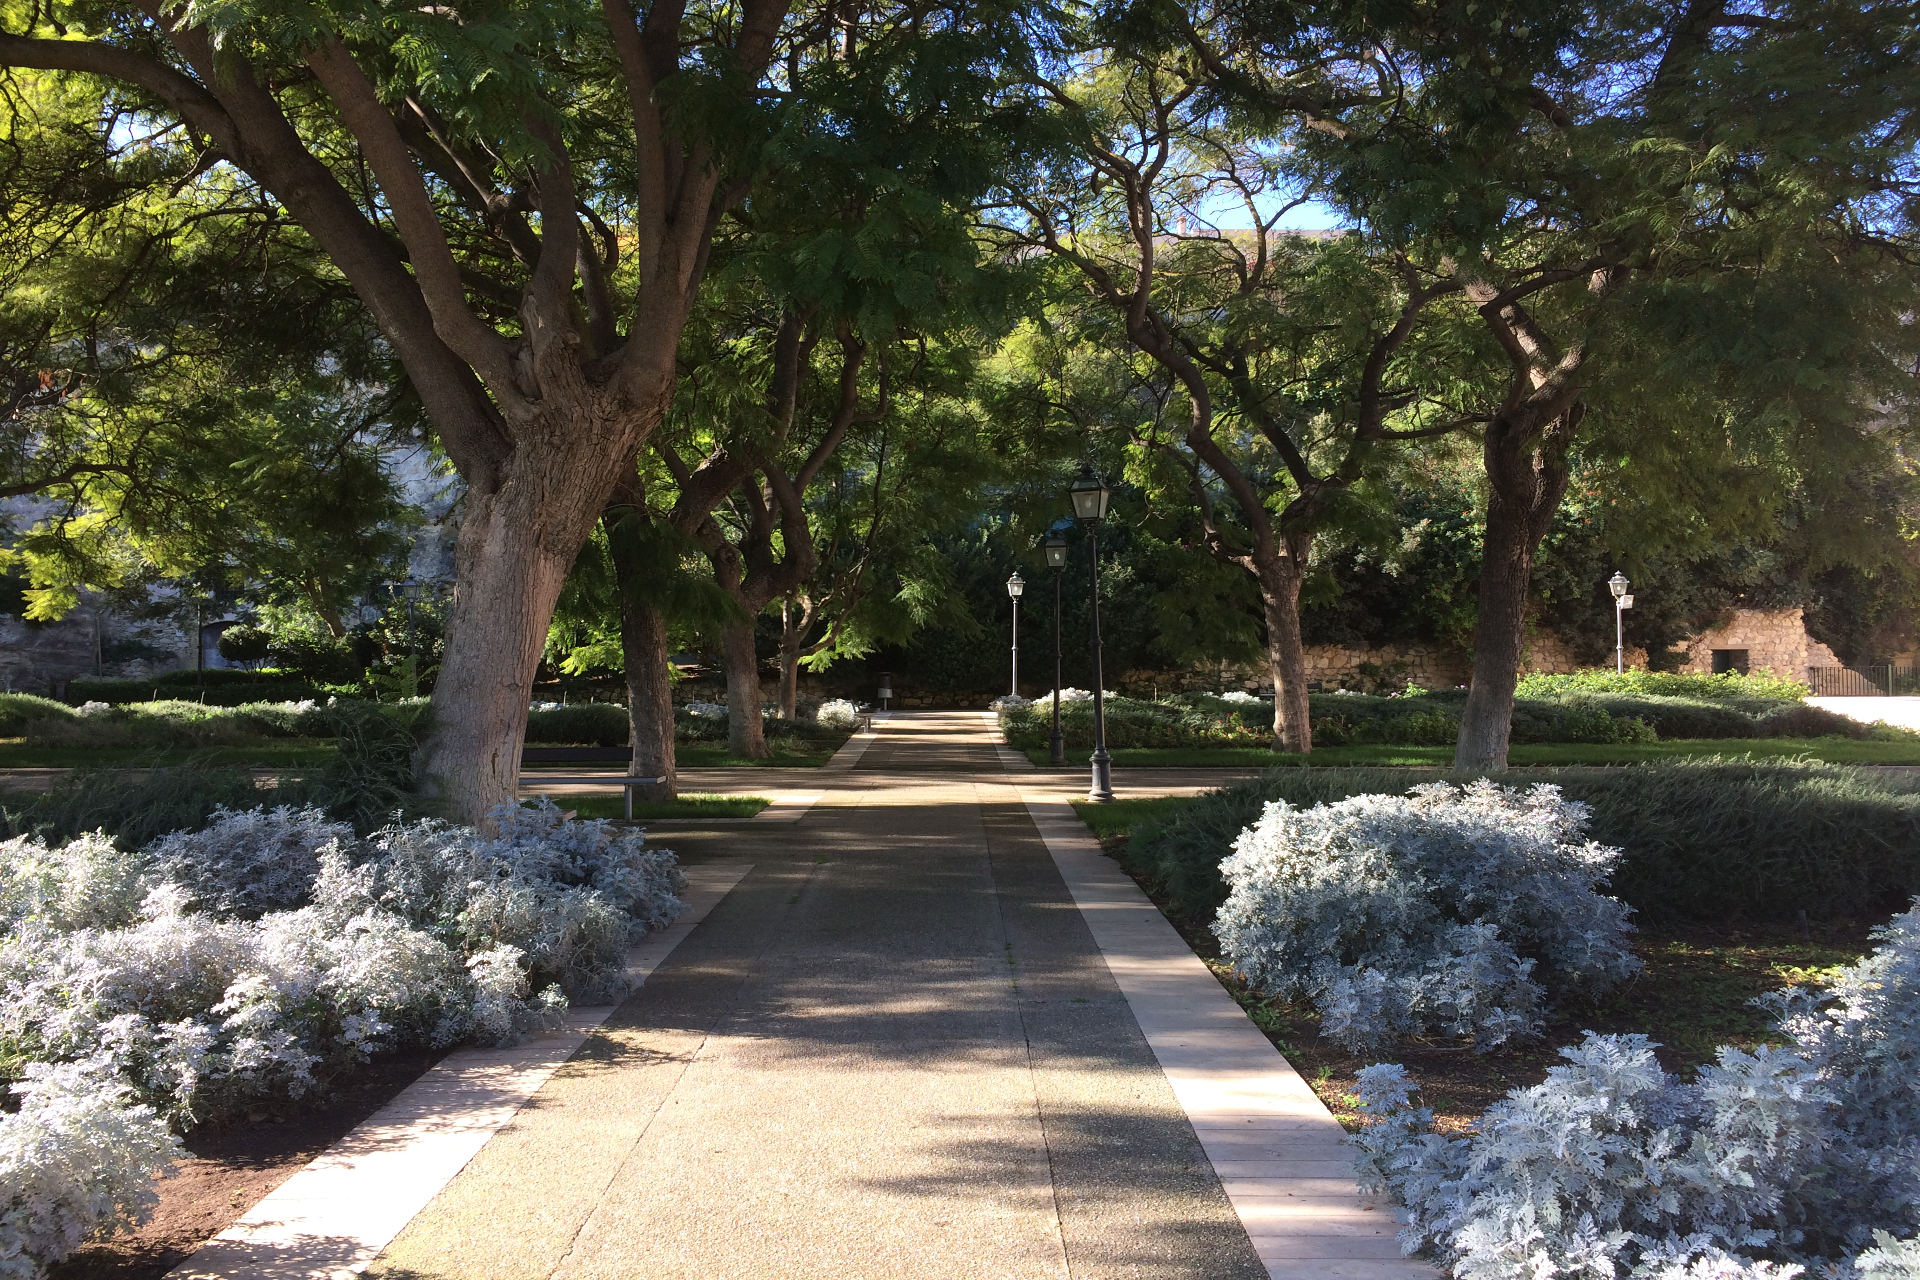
(1016, 585)
(1617, 584)
(1090, 496)
(1056, 549)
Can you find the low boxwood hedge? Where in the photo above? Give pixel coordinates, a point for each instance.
(1707, 840)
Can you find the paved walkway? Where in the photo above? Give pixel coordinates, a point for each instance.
(922, 1037)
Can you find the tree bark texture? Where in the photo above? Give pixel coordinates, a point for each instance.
(515, 549)
(1526, 478)
(1280, 580)
(746, 733)
(643, 646)
(789, 683)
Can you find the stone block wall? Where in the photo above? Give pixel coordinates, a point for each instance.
(1776, 640)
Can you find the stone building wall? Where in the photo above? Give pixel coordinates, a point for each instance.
(1775, 640)
(38, 657)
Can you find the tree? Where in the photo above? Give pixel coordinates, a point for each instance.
(523, 198)
(1281, 357)
(171, 418)
(1620, 194)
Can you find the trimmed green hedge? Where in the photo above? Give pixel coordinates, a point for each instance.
(220, 688)
(1669, 684)
(1708, 840)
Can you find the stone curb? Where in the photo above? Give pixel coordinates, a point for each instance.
(1277, 1149)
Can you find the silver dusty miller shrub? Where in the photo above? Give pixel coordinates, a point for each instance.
(86, 883)
(570, 896)
(837, 713)
(77, 1157)
(1770, 1161)
(247, 864)
(196, 982)
(1449, 911)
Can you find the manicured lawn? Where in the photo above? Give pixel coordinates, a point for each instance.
(696, 806)
(1833, 750)
(280, 754)
(1118, 817)
(705, 756)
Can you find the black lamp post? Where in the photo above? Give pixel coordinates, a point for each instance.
(1090, 497)
(1016, 586)
(1056, 548)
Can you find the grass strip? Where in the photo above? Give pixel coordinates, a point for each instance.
(691, 756)
(691, 806)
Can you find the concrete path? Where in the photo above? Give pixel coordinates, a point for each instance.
(1904, 712)
(905, 1044)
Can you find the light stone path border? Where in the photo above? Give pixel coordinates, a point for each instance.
(332, 1218)
(1273, 1143)
(853, 748)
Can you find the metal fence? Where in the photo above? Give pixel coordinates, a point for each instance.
(1868, 680)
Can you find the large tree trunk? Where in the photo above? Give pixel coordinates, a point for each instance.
(643, 644)
(515, 549)
(1526, 478)
(789, 682)
(795, 621)
(1280, 581)
(746, 736)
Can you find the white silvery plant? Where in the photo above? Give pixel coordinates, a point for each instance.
(435, 936)
(87, 882)
(1806, 1155)
(204, 1016)
(77, 1158)
(837, 713)
(1449, 911)
(249, 863)
(570, 895)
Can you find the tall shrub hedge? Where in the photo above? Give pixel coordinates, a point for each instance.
(1706, 840)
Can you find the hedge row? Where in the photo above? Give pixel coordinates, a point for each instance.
(1199, 720)
(1706, 840)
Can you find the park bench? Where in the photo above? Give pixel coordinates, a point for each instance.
(585, 755)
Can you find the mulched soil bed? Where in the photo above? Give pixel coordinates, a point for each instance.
(232, 1168)
(1691, 998)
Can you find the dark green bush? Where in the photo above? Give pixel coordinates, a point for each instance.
(1133, 722)
(221, 688)
(21, 713)
(370, 778)
(1798, 720)
(135, 809)
(595, 724)
(1578, 720)
(1709, 840)
(244, 644)
(175, 724)
(1684, 717)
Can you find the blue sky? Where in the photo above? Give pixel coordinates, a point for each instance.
(1313, 216)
